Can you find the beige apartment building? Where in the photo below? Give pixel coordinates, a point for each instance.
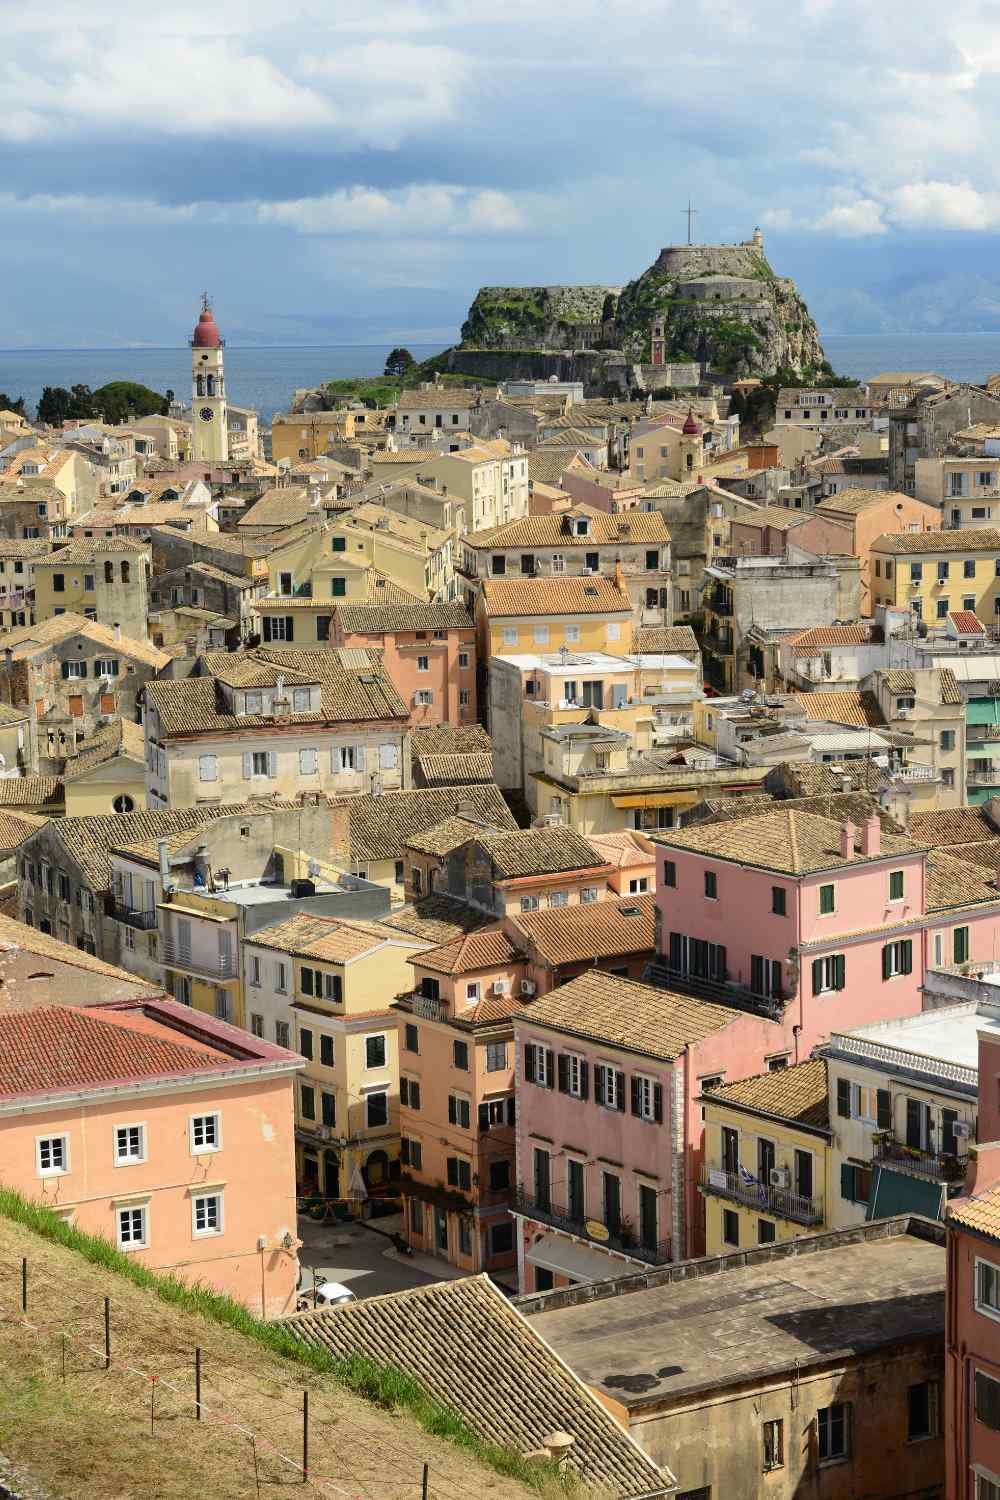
(274, 723)
(967, 489)
(833, 406)
(490, 478)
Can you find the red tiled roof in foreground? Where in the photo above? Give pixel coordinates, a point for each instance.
(60, 1047)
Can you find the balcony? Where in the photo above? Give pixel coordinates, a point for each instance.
(913, 772)
(719, 604)
(982, 778)
(144, 920)
(719, 991)
(719, 643)
(937, 1166)
(782, 1202)
(174, 957)
(545, 1211)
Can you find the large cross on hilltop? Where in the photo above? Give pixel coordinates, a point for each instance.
(689, 212)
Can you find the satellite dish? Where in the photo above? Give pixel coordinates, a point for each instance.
(314, 868)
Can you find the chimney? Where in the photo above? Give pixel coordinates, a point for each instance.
(118, 633)
(165, 880)
(557, 1445)
(847, 840)
(871, 836)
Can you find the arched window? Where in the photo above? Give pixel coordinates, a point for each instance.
(125, 572)
(199, 385)
(211, 385)
(123, 804)
(109, 572)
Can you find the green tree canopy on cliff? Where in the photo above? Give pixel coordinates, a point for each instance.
(12, 403)
(399, 363)
(118, 401)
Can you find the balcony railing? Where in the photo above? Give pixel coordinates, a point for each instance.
(982, 778)
(913, 773)
(144, 920)
(172, 957)
(547, 1211)
(720, 990)
(719, 643)
(939, 1166)
(782, 1202)
(718, 604)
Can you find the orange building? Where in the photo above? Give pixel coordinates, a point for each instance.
(429, 653)
(456, 1089)
(166, 1132)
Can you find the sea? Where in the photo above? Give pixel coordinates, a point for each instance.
(264, 378)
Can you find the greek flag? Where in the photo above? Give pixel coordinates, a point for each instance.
(747, 1178)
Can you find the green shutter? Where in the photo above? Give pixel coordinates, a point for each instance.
(839, 969)
(847, 1181)
(884, 1106)
(886, 970)
(906, 955)
(844, 1098)
(817, 975)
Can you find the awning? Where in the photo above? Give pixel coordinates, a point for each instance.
(900, 1193)
(553, 1252)
(659, 799)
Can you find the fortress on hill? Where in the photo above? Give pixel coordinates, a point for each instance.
(721, 307)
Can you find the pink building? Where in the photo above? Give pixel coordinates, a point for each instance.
(429, 652)
(166, 1132)
(972, 1316)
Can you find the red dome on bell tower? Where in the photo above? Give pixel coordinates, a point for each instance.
(206, 332)
(690, 428)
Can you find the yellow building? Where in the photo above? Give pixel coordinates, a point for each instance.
(107, 772)
(326, 986)
(418, 556)
(544, 614)
(297, 435)
(105, 580)
(938, 573)
(310, 577)
(767, 1158)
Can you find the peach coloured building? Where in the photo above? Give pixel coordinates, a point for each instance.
(632, 857)
(456, 1091)
(972, 1315)
(505, 872)
(616, 935)
(867, 515)
(166, 1132)
(429, 654)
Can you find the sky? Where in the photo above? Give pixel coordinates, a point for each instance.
(345, 172)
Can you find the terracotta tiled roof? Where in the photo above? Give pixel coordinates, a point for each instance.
(954, 881)
(538, 851)
(451, 833)
(797, 1094)
(508, 598)
(632, 526)
(332, 938)
(17, 936)
(956, 825)
(28, 640)
(438, 919)
(968, 539)
(450, 739)
(383, 619)
(547, 465)
(120, 738)
(379, 827)
(822, 636)
(786, 840)
(860, 709)
(637, 1017)
(627, 850)
(668, 640)
(853, 501)
(440, 398)
(602, 929)
(903, 680)
(967, 622)
(16, 826)
(31, 791)
(280, 507)
(453, 770)
(476, 1355)
(981, 1213)
(60, 1048)
(90, 551)
(489, 948)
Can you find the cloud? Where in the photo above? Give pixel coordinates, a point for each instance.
(944, 205)
(855, 219)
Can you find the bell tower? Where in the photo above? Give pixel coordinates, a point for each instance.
(208, 391)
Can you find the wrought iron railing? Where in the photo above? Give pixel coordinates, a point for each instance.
(547, 1211)
(173, 957)
(780, 1201)
(939, 1166)
(145, 920)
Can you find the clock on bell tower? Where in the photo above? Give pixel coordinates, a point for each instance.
(208, 391)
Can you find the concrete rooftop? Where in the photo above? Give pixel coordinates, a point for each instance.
(947, 1035)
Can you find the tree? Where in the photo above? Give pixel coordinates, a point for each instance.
(11, 403)
(124, 400)
(400, 362)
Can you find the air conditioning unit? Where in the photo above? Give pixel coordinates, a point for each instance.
(961, 1131)
(528, 986)
(902, 713)
(778, 1177)
(326, 1132)
(499, 987)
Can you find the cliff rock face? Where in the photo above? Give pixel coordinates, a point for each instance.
(539, 317)
(720, 305)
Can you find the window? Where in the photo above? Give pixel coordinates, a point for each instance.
(711, 886)
(969, 568)
(460, 1055)
(942, 571)
(897, 959)
(609, 1087)
(458, 1111)
(308, 762)
(106, 666)
(833, 1431)
(855, 1182)
(960, 945)
(375, 1051)
(306, 1042)
(922, 1410)
(588, 895)
(423, 663)
(300, 700)
(529, 903)
(774, 1441)
(895, 885)
(259, 762)
(987, 1400)
(205, 1132)
(459, 1173)
(669, 872)
(638, 887)
(326, 1051)
(916, 572)
(647, 1098)
(573, 1073)
(206, 1214)
(828, 973)
(411, 1038)
(510, 635)
(281, 1036)
(538, 1065)
(730, 1227)
(943, 608)
(424, 697)
(376, 1109)
(130, 1144)
(256, 1024)
(499, 1175)
(59, 583)
(496, 1056)
(766, 1232)
(827, 900)
(307, 1101)
(988, 1288)
(133, 1228)
(778, 906)
(53, 1155)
